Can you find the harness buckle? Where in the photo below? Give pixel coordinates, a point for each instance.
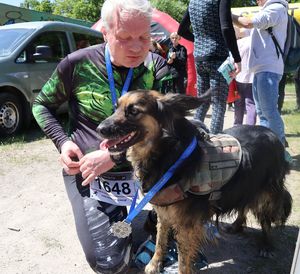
(214, 196)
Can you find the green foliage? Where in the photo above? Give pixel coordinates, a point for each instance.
(174, 8)
(44, 5)
(90, 9)
(243, 3)
(79, 9)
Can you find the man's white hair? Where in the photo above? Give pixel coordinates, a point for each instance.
(110, 7)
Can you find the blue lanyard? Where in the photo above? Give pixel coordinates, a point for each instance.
(111, 79)
(133, 212)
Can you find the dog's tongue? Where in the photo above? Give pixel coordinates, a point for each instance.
(106, 144)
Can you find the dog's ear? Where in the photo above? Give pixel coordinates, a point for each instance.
(182, 103)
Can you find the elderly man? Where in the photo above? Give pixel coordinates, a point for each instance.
(265, 62)
(177, 59)
(91, 80)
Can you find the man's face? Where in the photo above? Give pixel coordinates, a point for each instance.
(174, 39)
(128, 40)
(261, 2)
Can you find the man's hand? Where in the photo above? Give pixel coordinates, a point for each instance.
(237, 70)
(171, 58)
(241, 21)
(94, 164)
(69, 157)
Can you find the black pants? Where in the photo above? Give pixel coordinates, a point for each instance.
(179, 84)
(104, 252)
(281, 92)
(297, 87)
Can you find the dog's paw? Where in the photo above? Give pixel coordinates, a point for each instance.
(153, 268)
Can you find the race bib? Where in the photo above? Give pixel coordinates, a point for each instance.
(116, 188)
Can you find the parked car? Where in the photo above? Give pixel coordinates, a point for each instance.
(29, 53)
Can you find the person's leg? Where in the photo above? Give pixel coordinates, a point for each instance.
(104, 252)
(219, 88)
(297, 87)
(180, 84)
(239, 105)
(262, 120)
(267, 92)
(281, 92)
(174, 85)
(202, 86)
(250, 105)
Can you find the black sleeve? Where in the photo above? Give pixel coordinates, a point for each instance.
(181, 57)
(161, 70)
(228, 30)
(184, 27)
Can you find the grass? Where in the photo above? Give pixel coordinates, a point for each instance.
(291, 118)
(33, 133)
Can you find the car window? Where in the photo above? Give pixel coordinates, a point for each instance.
(56, 42)
(86, 40)
(10, 39)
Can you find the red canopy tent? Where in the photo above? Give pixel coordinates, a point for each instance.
(162, 26)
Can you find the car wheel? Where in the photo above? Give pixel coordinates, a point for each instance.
(10, 114)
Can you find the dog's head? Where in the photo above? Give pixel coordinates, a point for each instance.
(142, 115)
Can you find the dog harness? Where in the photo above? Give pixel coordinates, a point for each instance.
(221, 158)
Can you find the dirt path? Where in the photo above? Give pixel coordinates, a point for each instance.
(38, 234)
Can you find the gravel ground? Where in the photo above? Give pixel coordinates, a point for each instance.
(38, 234)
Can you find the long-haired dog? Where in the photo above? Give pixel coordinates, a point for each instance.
(152, 128)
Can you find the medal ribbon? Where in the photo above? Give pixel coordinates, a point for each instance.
(134, 211)
(111, 78)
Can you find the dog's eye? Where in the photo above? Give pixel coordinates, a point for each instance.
(132, 110)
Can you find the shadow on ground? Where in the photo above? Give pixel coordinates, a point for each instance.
(239, 253)
(30, 134)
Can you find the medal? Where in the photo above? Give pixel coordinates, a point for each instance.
(121, 229)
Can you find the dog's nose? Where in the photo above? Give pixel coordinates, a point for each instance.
(102, 130)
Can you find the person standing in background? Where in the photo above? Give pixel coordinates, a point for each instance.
(296, 78)
(281, 92)
(266, 63)
(213, 37)
(177, 58)
(297, 87)
(244, 82)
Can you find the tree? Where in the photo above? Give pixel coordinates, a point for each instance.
(175, 8)
(88, 10)
(44, 5)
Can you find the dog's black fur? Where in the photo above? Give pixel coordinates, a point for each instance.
(161, 134)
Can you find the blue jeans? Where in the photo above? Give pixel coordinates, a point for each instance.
(265, 93)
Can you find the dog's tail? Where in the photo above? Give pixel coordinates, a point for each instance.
(286, 206)
(280, 207)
